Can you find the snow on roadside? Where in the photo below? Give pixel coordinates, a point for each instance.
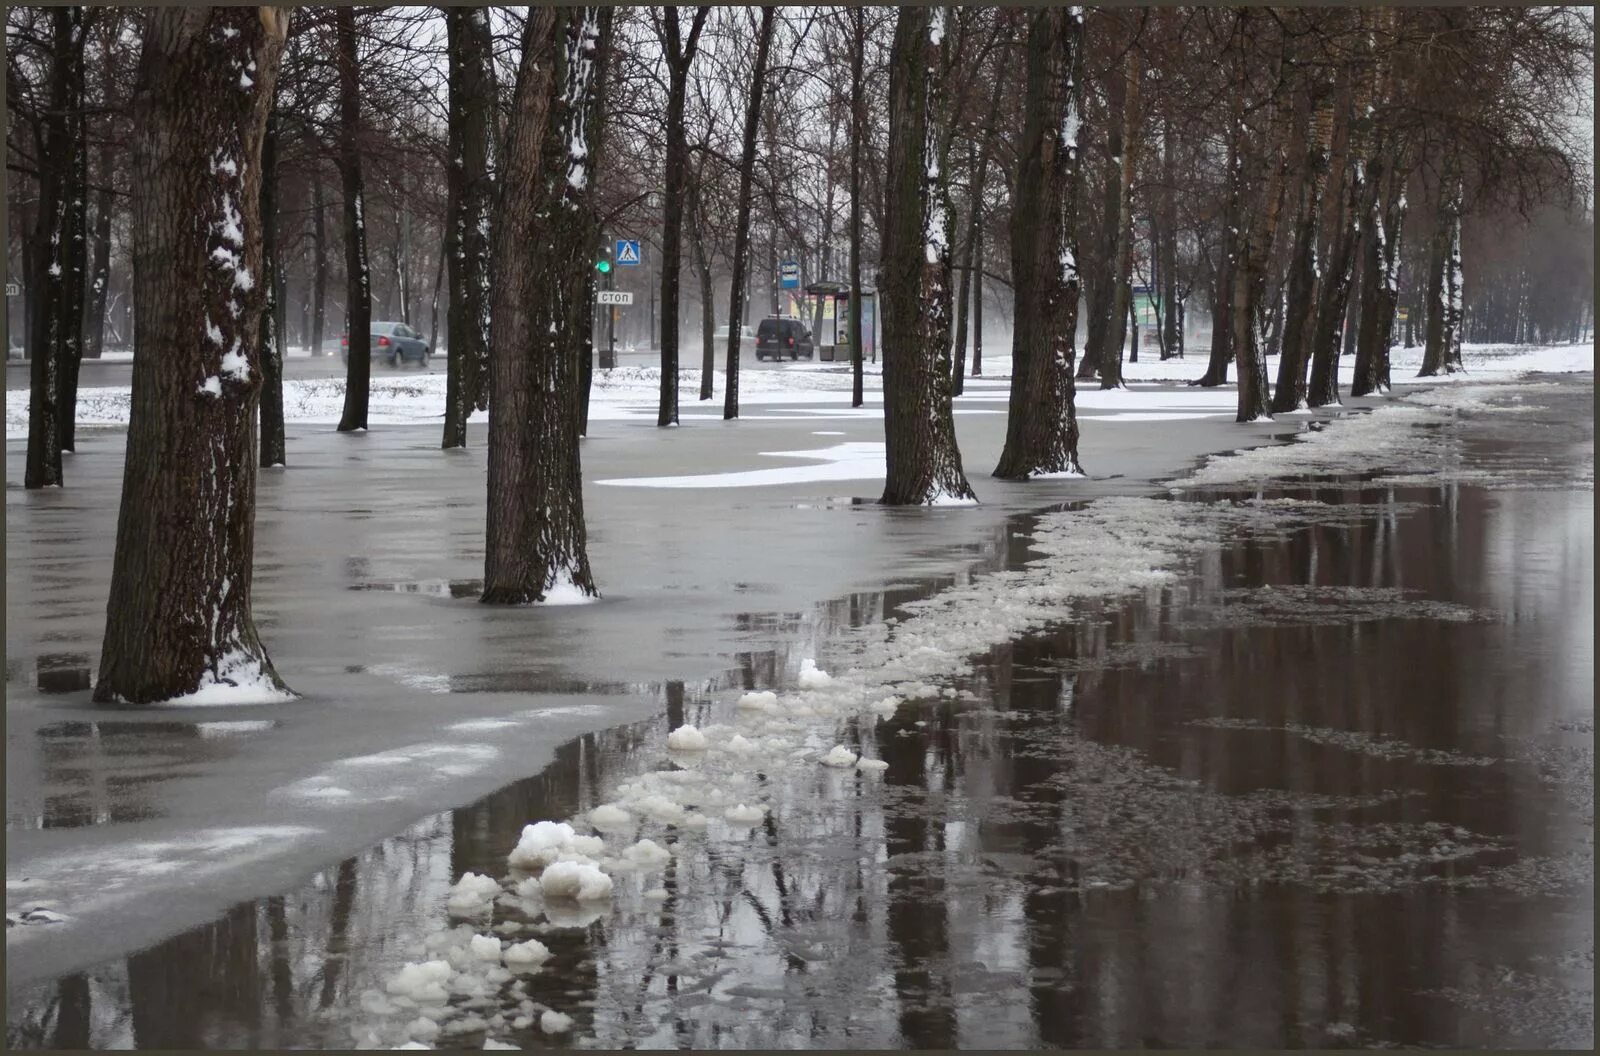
(629, 393)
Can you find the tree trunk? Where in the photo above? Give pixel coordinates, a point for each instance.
(597, 122)
(858, 132)
(708, 301)
(1122, 298)
(1042, 427)
(1371, 371)
(958, 368)
(75, 245)
(739, 289)
(536, 548)
(680, 53)
(273, 451)
(94, 326)
(1444, 277)
(977, 302)
(980, 180)
(319, 263)
(470, 195)
(1341, 236)
(179, 615)
(1299, 324)
(55, 332)
(1227, 245)
(923, 462)
(1254, 246)
(1171, 338)
(358, 375)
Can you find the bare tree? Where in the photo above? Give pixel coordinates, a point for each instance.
(471, 191)
(741, 231)
(358, 281)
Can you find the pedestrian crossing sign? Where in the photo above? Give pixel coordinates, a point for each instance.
(628, 251)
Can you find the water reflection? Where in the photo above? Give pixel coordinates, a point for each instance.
(108, 771)
(1227, 812)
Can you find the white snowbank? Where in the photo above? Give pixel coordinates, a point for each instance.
(811, 677)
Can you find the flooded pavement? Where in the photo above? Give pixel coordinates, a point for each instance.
(1329, 783)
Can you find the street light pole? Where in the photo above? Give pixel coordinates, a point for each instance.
(611, 321)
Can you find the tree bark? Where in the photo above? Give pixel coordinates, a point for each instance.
(1254, 246)
(536, 548)
(179, 614)
(1042, 427)
(923, 461)
(858, 132)
(708, 299)
(273, 451)
(1371, 370)
(739, 290)
(358, 374)
(94, 336)
(1122, 298)
(56, 325)
(470, 194)
(74, 243)
(319, 263)
(680, 54)
(980, 179)
(1299, 324)
(1439, 350)
(1342, 232)
(597, 123)
(1227, 247)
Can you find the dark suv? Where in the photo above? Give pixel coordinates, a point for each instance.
(777, 337)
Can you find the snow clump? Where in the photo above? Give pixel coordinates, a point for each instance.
(473, 894)
(686, 739)
(553, 1022)
(582, 881)
(839, 756)
(811, 677)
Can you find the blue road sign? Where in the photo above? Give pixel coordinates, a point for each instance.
(628, 252)
(789, 275)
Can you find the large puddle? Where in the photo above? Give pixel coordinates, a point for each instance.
(1330, 787)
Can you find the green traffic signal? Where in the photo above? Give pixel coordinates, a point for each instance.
(602, 266)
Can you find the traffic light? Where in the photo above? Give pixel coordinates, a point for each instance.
(603, 266)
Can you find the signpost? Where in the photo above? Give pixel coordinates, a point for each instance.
(13, 290)
(614, 297)
(628, 255)
(789, 275)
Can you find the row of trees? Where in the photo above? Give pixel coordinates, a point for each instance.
(1297, 134)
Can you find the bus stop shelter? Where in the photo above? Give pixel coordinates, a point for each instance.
(828, 315)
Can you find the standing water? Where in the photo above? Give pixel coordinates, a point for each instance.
(1327, 781)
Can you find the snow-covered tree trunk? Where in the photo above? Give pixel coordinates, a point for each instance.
(1042, 427)
(179, 616)
(536, 545)
(358, 278)
(923, 461)
(470, 193)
